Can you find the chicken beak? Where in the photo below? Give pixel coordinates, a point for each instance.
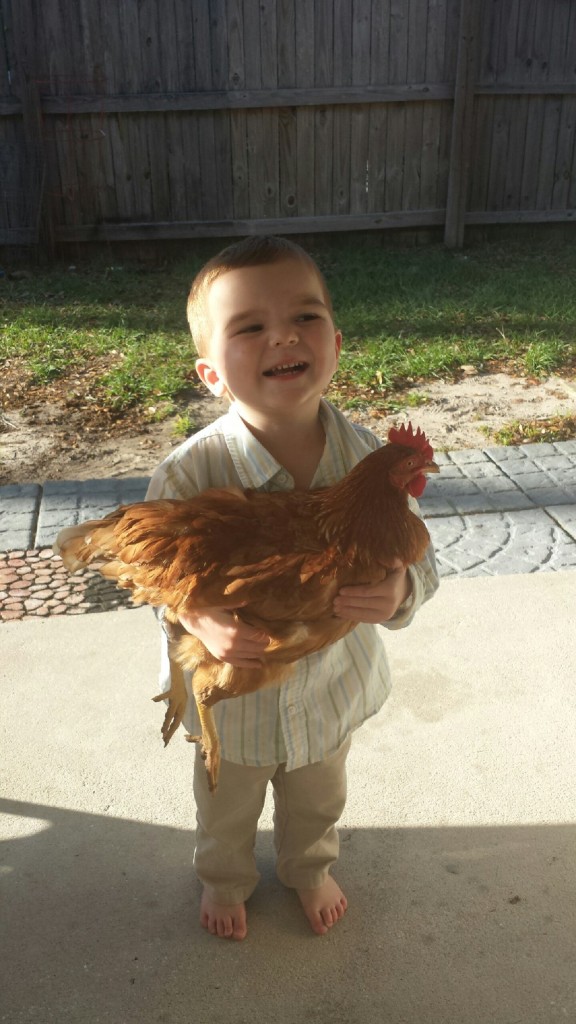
(430, 467)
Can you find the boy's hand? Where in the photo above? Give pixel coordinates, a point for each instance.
(226, 637)
(375, 602)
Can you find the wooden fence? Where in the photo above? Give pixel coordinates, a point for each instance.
(148, 119)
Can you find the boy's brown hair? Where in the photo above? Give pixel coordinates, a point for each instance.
(250, 252)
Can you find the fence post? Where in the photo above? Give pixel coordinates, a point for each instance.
(27, 87)
(462, 123)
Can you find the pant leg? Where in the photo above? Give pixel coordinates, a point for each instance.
(226, 829)
(308, 802)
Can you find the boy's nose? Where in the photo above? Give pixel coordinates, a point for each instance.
(284, 336)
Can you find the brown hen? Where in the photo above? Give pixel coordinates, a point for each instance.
(276, 560)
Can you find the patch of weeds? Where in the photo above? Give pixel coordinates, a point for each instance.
(554, 428)
(544, 355)
(158, 413)
(357, 402)
(411, 400)
(145, 375)
(184, 426)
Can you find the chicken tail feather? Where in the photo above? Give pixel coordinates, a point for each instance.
(75, 547)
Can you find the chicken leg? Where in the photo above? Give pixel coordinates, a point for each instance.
(210, 744)
(177, 698)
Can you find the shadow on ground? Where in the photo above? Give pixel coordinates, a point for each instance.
(445, 925)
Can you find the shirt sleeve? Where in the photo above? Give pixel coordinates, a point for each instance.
(425, 583)
(167, 482)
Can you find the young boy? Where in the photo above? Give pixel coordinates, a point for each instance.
(261, 319)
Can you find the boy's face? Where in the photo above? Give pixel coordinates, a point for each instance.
(273, 346)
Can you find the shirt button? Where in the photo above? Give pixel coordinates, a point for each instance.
(291, 709)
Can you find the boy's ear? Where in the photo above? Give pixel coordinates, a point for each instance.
(209, 376)
(338, 345)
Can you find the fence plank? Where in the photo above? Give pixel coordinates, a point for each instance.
(564, 155)
(207, 150)
(183, 17)
(416, 71)
(286, 43)
(240, 164)
(435, 38)
(359, 133)
(548, 149)
(412, 158)
(270, 202)
(202, 47)
(305, 118)
(379, 43)
(190, 166)
(520, 216)
(323, 147)
(430, 162)
(570, 53)
(498, 156)
(341, 161)
(395, 156)
(130, 67)
(376, 172)
(236, 56)
(517, 122)
(529, 185)
(462, 123)
(343, 29)
(219, 44)
(268, 44)
(346, 15)
(287, 157)
(269, 225)
(259, 98)
(35, 208)
(398, 54)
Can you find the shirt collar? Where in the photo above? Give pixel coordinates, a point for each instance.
(344, 447)
(253, 463)
(256, 467)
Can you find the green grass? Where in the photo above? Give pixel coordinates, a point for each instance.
(407, 315)
(555, 428)
(416, 315)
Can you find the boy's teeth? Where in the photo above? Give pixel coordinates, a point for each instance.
(285, 367)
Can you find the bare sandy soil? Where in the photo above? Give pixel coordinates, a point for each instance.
(52, 440)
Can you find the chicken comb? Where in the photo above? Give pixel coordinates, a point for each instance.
(406, 436)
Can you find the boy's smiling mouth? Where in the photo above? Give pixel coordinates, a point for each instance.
(283, 369)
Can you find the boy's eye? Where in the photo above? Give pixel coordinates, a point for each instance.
(250, 329)
(304, 317)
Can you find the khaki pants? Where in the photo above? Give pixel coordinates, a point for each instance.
(307, 804)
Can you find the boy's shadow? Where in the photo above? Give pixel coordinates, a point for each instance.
(100, 919)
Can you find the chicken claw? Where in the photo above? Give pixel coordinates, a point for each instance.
(177, 700)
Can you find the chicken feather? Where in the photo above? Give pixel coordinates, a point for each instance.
(276, 560)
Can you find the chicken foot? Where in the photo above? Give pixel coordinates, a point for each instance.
(177, 698)
(210, 744)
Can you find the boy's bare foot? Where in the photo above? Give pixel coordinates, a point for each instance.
(227, 920)
(323, 906)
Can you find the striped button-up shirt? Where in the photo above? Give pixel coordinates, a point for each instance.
(330, 693)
